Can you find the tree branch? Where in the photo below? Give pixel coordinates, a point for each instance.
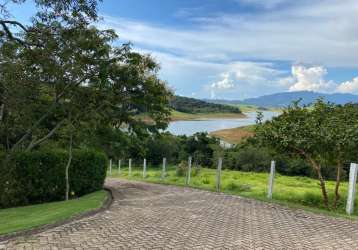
(44, 116)
(46, 137)
(8, 32)
(14, 23)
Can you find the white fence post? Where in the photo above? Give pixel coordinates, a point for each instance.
(110, 167)
(164, 168)
(130, 167)
(145, 168)
(352, 188)
(218, 175)
(189, 172)
(119, 167)
(271, 180)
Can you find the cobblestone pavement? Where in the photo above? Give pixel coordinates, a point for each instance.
(148, 216)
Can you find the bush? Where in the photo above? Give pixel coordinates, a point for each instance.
(182, 169)
(196, 170)
(234, 186)
(312, 199)
(39, 176)
(248, 159)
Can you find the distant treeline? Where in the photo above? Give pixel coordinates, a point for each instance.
(191, 105)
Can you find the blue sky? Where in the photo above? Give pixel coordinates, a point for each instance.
(235, 49)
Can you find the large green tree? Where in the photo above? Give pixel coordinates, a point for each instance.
(61, 77)
(322, 134)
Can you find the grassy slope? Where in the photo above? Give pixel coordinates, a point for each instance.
(22, 218)
(180, 116)
(234, 135)
(253, 108)
(301, 192)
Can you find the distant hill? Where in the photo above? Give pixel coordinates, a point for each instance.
(194, 106)
(286, 98)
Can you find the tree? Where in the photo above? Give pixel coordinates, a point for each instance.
(322, 134)
(62, 77)
(68, 12)
(342, 136)
(298, 131)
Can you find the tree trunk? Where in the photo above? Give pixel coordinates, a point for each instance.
(2, 107)
(317, 167)
(338, 182)
(68, 167)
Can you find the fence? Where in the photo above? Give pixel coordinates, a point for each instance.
(218, 176)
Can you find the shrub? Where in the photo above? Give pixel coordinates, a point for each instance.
(312, 199)
(39, 176)
(182, 169)
(206, 181)
(196, 170)
(234, 186)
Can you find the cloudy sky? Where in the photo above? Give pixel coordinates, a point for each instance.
(236, 49)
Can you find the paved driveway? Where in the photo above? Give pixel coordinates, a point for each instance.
(147, 216)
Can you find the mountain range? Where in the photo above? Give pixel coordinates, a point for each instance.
(286, 98)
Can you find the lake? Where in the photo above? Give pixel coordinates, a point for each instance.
(192, 127)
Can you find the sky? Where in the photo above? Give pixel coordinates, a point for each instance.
(236, 49)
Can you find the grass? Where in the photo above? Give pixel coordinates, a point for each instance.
(234, 135)
(180, 116)
(254, 108)
(297, 192)
(29, 217)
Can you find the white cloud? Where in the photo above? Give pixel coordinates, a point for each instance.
(317, 32)
(242, 79)
(224, 84)
(310, 78)
(349, 86)
(313, 79)
(193, 58)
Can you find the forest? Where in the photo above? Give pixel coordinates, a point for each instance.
(194, 106)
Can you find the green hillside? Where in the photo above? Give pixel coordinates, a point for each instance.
(195, 106)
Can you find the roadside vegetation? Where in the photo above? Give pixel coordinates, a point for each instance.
(312, 146)
(294, 191)
(30, 217)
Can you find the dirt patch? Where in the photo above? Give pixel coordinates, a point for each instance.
(234, 135)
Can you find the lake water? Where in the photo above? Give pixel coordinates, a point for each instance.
(192, 127)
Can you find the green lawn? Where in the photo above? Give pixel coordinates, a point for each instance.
(22, 218)
(301, 192)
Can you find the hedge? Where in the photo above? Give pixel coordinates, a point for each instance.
(39, 176)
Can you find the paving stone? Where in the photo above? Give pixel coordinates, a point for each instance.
(149, 216)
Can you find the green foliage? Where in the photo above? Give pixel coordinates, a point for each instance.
(196, 170)
(248, 158)
(312, 199)
(182, 169)
(193, 106)
(39, 176)
(80, 84)
(235, 186)
(201, 147)
(163, 145)
(325, 135)
(294, 191)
